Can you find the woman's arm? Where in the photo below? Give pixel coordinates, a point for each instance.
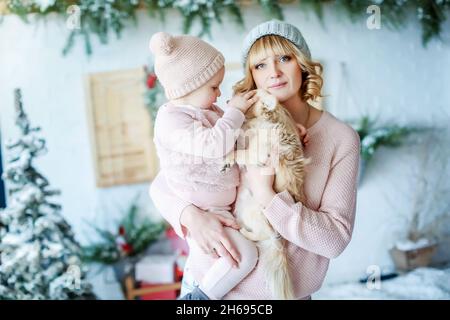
(206, 228)
(326, 231)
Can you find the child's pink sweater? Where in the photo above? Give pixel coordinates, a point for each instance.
(318, 230)
(191, 145)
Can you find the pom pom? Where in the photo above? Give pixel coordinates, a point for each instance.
(161, 43)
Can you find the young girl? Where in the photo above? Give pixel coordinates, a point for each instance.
(192, 137)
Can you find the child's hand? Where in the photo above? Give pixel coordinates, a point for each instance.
(243, 101)
(303, 134)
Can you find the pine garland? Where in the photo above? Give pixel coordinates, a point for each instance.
(373, 136)
(206, 11)
(394, 13)
(102, 17)
(271, 8)
(132, 236)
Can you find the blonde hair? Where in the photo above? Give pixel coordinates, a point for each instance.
(312, 81)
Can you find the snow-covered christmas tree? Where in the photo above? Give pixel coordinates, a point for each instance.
(39, 257)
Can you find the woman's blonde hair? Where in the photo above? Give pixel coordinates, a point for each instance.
(272, 44)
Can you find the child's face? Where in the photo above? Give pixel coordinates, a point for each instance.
(205, 96)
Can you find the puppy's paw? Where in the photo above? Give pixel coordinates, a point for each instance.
(226, 167)
(248, 234)
(229, 161)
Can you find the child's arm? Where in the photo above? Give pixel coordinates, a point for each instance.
(180, 132)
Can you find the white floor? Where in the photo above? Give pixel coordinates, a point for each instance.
(422, 283)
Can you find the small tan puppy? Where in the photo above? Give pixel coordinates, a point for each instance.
(269, 132)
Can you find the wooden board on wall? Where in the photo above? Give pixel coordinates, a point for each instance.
(121, 128)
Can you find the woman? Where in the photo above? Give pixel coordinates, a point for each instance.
(277, 59)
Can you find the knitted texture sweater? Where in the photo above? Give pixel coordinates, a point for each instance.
(317, 230)
(191, 144)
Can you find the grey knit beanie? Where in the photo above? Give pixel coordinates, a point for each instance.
(275, 27)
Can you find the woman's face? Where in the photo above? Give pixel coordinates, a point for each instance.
(280, 75)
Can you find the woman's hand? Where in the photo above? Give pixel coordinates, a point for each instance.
(260, 181)
(243, 101)
(207, 229)
(303, 134)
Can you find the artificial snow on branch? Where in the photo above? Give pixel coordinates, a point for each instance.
(39, 256)
(132, 236)
(102, 17)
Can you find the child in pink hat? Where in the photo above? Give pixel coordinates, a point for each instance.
(192, 136)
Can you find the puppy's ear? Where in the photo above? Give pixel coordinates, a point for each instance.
(269, 101)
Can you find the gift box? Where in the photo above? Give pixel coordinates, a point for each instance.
(165, 291)
(156, 268)
(162, 294)
(161, 274)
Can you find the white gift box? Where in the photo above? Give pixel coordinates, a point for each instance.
(156, 269)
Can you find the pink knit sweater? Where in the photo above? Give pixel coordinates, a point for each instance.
(192, 142)
(318, 230)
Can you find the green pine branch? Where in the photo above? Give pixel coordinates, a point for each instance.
(139, 234)
(271, 9)
(95, 19)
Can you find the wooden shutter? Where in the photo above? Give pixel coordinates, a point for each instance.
(121, 128)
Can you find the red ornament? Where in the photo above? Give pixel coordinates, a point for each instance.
(151, 80)
(121, 230)
(127, 248)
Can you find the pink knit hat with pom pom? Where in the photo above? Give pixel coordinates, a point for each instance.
(183, 63)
